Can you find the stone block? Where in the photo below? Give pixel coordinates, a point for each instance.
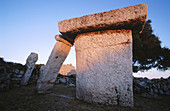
(50, 71)
(104, 67)
(132, 17)
(30, 64)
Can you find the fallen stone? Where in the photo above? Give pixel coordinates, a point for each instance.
(61, 96)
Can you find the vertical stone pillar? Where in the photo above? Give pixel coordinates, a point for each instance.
(104, 67)
(104, 53)
(49, 73)
(30, 64)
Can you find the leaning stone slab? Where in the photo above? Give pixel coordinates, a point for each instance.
(50, 71)
(30, 64)
(132, 17)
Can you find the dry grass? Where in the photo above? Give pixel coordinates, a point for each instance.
(26, 99)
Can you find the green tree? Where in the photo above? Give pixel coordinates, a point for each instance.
(147, 51)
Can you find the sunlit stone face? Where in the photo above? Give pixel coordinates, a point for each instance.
(50, 71)
(104, 67)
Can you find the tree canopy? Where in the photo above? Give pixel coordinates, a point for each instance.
(147, 51)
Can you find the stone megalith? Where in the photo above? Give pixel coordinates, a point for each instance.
(50, 71)
(103, 43)
(30, 64)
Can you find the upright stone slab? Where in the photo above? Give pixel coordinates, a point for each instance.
(30, 64)
(50, 71)
(104, 67)
(103, 43)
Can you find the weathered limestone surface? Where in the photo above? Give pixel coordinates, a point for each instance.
(132, 17)
(104, 67)
(50, 71)
(30, 64)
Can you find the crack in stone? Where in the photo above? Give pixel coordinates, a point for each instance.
(118, 97)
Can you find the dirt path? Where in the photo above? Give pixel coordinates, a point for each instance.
(62, 98)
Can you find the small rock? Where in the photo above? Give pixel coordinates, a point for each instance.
(149, 81)
(21, 72)
(158, 87)
(144, 85)
(62, 81)
(165, 87)
(57, 81)
(16, 71)
(161, 92)
(145, 95)
(155, 90)
(72, 73)
(154, 86)
(71, 85)
(151, 91)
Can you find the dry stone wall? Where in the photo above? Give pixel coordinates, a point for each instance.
(12, 73)
(152, 88)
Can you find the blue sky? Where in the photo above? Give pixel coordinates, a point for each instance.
(30, 25)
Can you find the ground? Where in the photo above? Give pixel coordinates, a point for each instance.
(62, 98)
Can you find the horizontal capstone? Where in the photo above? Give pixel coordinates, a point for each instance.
(132, 17)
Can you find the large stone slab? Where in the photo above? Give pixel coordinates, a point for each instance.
(104, 67)
(30, 64)
(49, 72)
(132, 17)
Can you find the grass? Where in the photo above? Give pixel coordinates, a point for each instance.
(26, 99)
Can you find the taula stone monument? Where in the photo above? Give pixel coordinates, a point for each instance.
(103, 43)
